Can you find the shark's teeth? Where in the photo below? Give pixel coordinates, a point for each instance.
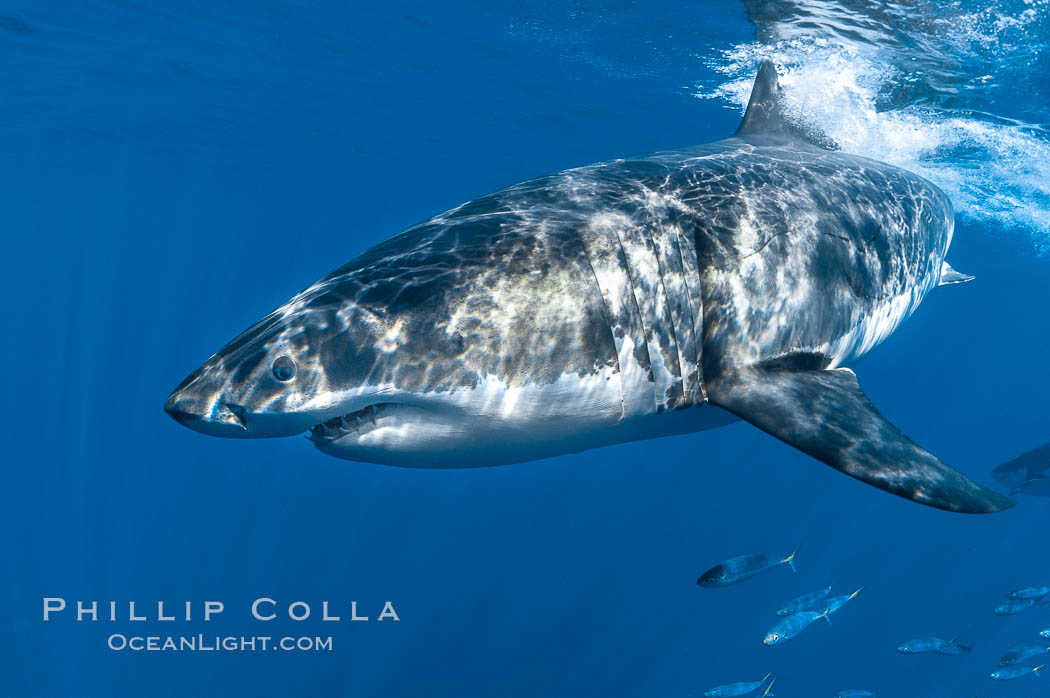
(337, 427)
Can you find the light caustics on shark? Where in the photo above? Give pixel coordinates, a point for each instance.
(607, 304)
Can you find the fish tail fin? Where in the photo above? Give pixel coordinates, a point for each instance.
(1037, 669)
(790, 559)
(766, 677)
(955, 641)
(854, 594)
(770, 686)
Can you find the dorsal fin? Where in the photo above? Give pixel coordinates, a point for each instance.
(763, 109)
(765, 115)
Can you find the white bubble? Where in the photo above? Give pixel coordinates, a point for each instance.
(995, 170)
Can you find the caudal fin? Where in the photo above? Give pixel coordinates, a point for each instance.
(790, 559)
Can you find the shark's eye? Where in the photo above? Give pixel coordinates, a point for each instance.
(283, 368)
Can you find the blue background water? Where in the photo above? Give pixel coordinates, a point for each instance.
(172, 172)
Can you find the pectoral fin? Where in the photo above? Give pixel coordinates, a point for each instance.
(825, 414)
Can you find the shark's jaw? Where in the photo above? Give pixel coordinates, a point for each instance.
(337, 427)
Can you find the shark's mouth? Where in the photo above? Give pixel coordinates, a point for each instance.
(349, 423)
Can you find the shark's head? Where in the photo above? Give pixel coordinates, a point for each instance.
(418, 358)
(271, 380)
(329, 367)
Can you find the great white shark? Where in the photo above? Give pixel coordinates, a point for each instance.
(625, 300)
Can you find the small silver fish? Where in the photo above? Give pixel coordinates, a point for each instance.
(805, 602)
(743, 567)
(1013, 607)
(922, 645)
(1016, 655)
(1015, 672)
(736, 689)
(1034, 593)
(791, 626)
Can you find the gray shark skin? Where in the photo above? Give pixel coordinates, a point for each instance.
(606, 304)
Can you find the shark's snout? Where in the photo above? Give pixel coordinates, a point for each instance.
(178, 411)
(214, 419)
(218, 401)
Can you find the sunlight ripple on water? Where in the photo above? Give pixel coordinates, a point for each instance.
(954, 92)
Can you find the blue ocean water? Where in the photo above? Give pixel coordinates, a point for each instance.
(173, 171)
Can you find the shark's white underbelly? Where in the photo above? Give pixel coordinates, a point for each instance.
(493, 423)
